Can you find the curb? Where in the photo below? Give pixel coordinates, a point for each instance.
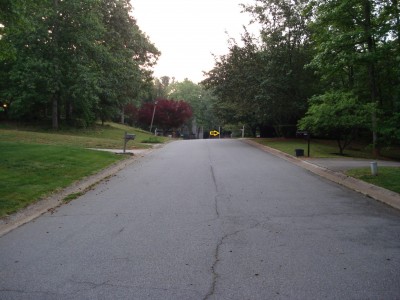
(49, 204)
(378, 193)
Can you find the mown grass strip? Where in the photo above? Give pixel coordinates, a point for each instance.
(108, 136)
(388, 177)
(324, 148)
(31, 171)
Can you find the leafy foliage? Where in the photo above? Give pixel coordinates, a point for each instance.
(319, 50)
(199, 99)
(357, 46)
(338, 115)
(79, 60)
(168, 114)
(131, 113)
(263, 83)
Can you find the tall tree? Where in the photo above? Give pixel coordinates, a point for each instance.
(235, 81)
(264, 83)
(128, 58)
(355, 51)
(200, 99)
(286, 49)
(78, 59)
(167, 115)
(338, 115)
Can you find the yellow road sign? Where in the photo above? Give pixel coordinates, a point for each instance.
(214, 133)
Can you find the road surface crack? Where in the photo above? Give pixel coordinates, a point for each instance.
(216, 190)
(215, 275)
(214, 179)
(217, 258)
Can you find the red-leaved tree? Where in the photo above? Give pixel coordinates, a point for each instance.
(169, 114)
(131, 114)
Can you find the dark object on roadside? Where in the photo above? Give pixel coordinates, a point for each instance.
(299, 152)
(128, 137)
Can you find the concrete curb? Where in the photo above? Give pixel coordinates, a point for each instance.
(50, 203)
(381, 194)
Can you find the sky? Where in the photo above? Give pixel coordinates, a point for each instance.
(188, 32)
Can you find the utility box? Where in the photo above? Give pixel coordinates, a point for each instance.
(299, 152)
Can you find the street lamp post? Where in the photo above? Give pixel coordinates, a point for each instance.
(152, 118)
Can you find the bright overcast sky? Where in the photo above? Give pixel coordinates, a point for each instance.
(188, 32)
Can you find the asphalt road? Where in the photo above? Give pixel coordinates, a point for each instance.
(208, 219)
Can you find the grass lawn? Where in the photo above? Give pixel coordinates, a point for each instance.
(324, 148)
(289, 145)
(108, 136)
(31, 171)
(388, 177)
(36, 162)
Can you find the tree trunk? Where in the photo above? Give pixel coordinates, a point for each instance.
(371, 72)
(341, 148)
(55, 98)
(54, 115)
(122, 115)
(68, 111)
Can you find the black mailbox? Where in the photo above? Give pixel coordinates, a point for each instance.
(128, 137)
(301, 133)
(306, 135)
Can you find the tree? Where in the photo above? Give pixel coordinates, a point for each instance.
(131, 112)
(200, 100)
(263, 83)
(337, 115)
(286, 49)
(51, 45)
(126, 63)
(235, 82)
(356, 44)
(168, 114)
(78, 59)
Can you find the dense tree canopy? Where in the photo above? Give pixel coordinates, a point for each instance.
(338, 115)
(263, 83)
(73, 60)
(200, 100)
(345, 50)
(357, 50)
(314, 61)
(166, 114)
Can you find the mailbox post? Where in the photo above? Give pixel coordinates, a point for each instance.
(128, 137)
(306, 135)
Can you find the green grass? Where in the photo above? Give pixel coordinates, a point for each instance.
(388, 177)
(152, 140)
(31, 171)
(37, 161)
(289, 145)
(108, 136)
(72, 196)
(323, 148)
